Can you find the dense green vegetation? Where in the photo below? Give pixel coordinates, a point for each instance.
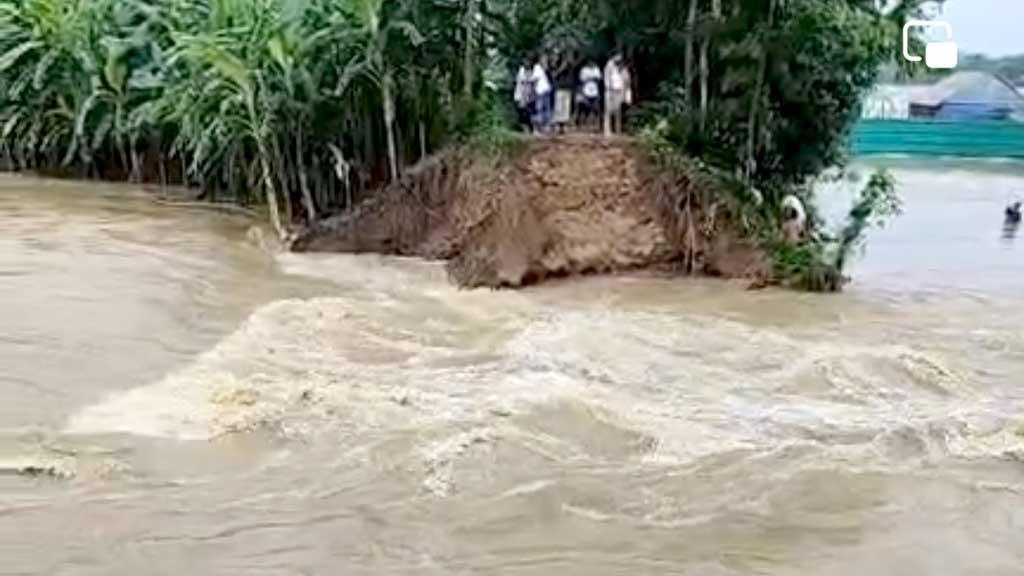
(296, 99)
(303, 103)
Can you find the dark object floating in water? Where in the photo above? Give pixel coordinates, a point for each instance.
(1013, 214)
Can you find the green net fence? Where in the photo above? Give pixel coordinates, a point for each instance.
(931, 138)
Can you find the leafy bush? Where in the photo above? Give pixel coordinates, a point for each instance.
(490, 127)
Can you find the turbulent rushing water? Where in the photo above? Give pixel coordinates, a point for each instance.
(174, 400)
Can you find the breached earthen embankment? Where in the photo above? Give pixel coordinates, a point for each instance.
(560, 206)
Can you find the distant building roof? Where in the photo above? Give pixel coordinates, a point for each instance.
(970, 88)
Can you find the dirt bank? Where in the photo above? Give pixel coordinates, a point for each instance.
(560, 206)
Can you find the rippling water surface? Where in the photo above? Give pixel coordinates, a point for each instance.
(175, 400)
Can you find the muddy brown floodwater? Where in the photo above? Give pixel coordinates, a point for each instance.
(175, 400)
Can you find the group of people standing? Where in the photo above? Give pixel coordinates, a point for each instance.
(590, 96)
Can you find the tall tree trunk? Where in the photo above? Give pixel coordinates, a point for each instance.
(307, 196)
(705, 66)
(230, 175)
(343, 170)
(270, 190)
(122, 152)
(750, 161)
(691, 235)
(423, 139)
(280, 160)
(691, 25)
(349, 203)
(163, 170)
(370, 152)
(469, 67)
(136, 176)
(389, 122)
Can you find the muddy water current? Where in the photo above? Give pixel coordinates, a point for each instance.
(175, 399)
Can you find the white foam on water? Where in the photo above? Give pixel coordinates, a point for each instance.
(694, 385)
(31, 454)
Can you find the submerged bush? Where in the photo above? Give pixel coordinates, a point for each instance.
(819, 264)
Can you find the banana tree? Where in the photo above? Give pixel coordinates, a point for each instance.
(232, 103)
(292, 49)
(42, 45)
(369, 34)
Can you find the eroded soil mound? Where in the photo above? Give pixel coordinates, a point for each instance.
(562, 206)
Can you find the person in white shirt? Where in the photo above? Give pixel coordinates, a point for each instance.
(794, 219)
(524, 97)
(542, 92)
(590, 93)
(618, 92)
